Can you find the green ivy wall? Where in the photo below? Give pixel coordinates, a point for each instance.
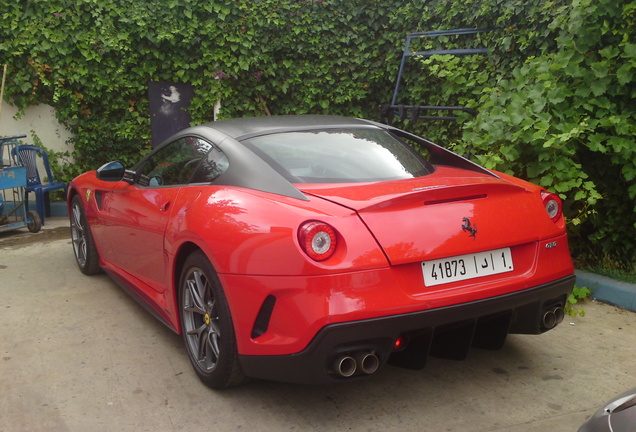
(555, 95)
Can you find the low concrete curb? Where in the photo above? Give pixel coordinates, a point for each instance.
(608, 290)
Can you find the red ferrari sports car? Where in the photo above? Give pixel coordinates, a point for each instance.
(315, 248)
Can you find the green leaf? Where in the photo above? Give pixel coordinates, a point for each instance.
(598, 87)
(600, 69)
(609, 52)
(630, 50)
(624, 74)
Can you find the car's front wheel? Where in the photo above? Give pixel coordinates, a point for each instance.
(206, 325)
(83, 245)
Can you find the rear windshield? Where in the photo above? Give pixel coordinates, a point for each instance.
(338, 156)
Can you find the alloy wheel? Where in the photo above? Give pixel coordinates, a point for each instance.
(78, 235)
(201, 320)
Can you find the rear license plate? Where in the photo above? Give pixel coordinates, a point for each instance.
(462, 267)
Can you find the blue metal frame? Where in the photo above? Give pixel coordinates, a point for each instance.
(12, 185)
(402, 110)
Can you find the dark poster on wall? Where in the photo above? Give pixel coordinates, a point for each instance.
(168, 103)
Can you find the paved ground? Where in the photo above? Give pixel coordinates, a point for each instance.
(77, 354)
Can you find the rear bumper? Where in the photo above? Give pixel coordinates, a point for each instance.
(446, 332)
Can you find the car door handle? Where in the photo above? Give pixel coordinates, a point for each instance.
(163, 207)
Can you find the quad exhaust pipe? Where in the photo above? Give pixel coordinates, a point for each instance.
(552, 317)
(365, 363)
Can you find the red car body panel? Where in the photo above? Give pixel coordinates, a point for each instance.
(385, 230)
(315, 302)
(250, 239)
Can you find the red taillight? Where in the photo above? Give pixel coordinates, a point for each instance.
(317, 239)
(552, 204)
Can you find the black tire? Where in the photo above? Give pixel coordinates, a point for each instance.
(34, 223)
(83, 245)
(206, 325)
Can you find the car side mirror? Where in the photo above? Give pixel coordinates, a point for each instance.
(114, 172)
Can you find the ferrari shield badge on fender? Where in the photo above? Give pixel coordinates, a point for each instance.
(466, 226)
(88, 195)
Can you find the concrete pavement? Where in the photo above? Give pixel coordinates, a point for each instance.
(77, 354)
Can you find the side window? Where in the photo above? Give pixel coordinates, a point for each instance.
(175, 163)
(214, 164)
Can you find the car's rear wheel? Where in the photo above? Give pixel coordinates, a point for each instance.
(207, 326)
(83, 246)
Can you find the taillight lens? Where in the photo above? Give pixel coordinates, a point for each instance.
(317, 239)
(552, 204)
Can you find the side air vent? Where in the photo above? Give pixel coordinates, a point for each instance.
(263, 317)
(99, 196)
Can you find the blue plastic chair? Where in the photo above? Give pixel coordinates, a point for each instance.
(28, 156)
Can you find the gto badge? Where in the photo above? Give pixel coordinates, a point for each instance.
(467, 227)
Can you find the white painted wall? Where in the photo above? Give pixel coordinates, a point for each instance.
(39, 119)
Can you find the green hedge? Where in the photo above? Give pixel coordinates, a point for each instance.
(554, 95)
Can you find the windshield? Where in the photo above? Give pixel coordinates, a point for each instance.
(337, 156)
